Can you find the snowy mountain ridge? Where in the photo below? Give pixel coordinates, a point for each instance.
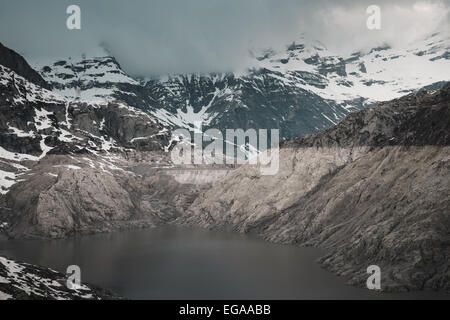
(302, 89)
(35, 122)
(86, 79)
(384, 73)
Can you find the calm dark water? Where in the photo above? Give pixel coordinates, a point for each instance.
(171, 263)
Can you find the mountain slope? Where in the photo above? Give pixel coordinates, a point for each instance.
(35, 122)
(372, 190)
(23, 281)
(71, 167)
(303, 89)
(77, 166)
(15, 62)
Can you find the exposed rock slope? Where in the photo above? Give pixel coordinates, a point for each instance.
(72, 167)
(35, 122)
(374, 189)
(13, 61)
(66, 195)
(24, 281)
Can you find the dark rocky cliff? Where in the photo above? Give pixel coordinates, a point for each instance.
(414, 120)
(15, 62)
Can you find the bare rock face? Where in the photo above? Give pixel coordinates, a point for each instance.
(415, 120)
(372, 190)
(66, 195)
(19, 65)
(70, 167)
(76, 197)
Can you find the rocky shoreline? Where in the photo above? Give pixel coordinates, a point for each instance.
(23, 281)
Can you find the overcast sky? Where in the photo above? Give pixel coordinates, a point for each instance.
(176, 36)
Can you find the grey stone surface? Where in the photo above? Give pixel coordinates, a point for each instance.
(353, 191)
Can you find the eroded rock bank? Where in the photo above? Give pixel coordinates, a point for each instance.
(383, 207)
(64, 195)
(374, 189)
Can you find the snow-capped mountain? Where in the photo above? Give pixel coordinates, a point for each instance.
(35, 122)
(95, 79)
(302, 89)
(72, 160)
(75, 166)
(382, 74)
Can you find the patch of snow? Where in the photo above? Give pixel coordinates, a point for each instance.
(66, 136)
(5, 296)
(102, 125)
(42, 120)
(14, 156)
(45, 149)
(68, 166)
(20, 133)
(31, 281)
(67, 122)
(7, 180)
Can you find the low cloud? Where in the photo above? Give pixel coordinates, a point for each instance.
(177, 36)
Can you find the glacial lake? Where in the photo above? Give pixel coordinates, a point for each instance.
(173, 263)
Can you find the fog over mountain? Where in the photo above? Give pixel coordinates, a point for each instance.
(176, 36)
(98, 125)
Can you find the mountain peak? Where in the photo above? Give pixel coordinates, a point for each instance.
(91, 79)
(15, 62)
